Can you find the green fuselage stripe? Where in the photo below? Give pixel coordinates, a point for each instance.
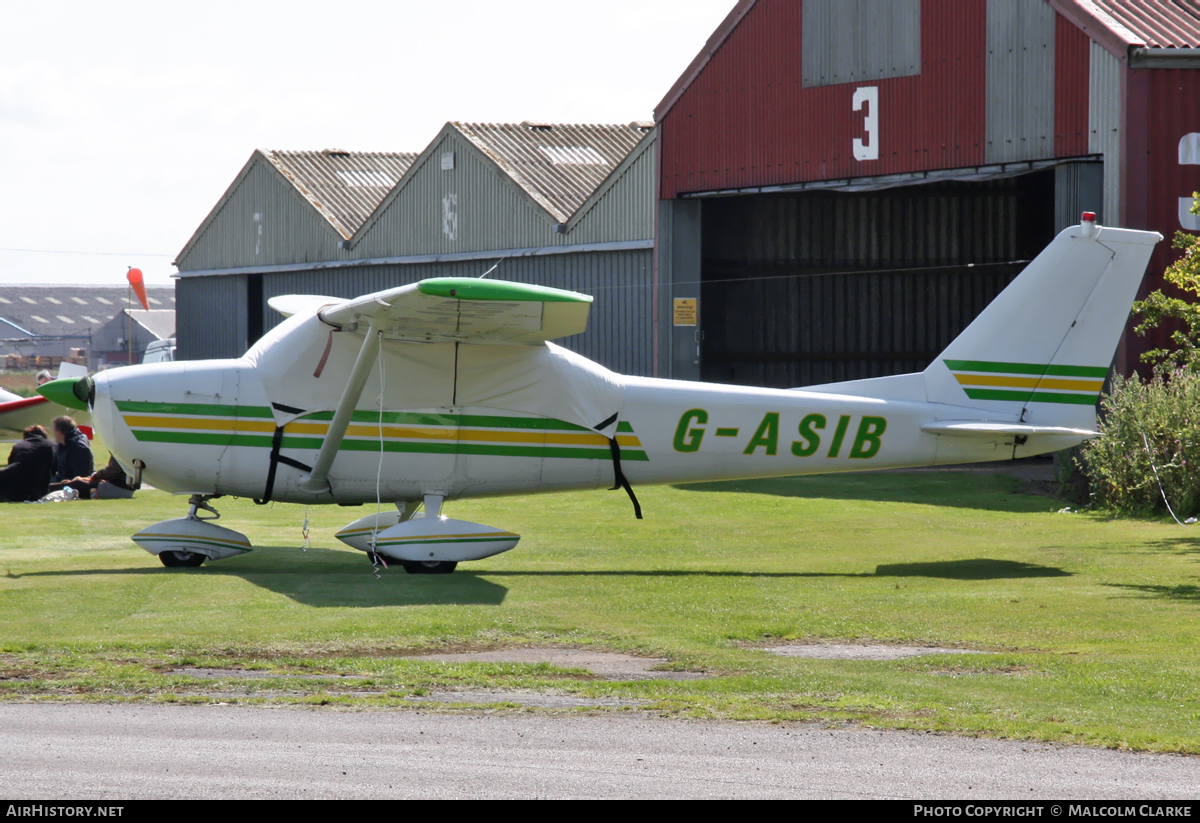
(1023, 396)
(1026, 368)
(205, 409)
(350, 444)
(479, 421)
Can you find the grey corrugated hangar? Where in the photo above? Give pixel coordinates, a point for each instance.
(568, 206)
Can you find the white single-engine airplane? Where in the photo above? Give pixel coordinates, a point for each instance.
(449, 388)
(16, 412)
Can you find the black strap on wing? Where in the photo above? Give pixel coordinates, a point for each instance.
(608, 421)
(276, 459)
(622, 482)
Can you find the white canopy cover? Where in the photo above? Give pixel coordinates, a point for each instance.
(305, 362)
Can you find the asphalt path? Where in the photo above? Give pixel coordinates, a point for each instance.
(97, 751)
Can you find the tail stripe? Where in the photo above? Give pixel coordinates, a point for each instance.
(1027, 368)
(1028, 382)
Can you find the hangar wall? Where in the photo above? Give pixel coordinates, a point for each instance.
(211, 317)
(473, 206)
(619, 328)
(818, 287)
(265, 222)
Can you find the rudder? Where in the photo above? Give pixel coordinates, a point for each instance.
(1041, 350)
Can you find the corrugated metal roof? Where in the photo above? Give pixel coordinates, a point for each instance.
(558, 165)
(159, 322)
(1121, 24)
(345, 186)
(72, 310)
(1160, 24)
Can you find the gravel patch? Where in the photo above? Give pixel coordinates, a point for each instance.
(541, 701)
(609, 665)
(254, 674)
(833, 651)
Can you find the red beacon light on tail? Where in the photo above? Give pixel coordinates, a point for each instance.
(1088, 224)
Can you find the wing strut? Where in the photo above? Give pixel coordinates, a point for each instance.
(317, 480)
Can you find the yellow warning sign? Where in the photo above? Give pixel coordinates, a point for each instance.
(685, 311)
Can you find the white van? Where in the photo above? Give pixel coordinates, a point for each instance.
(160, 351)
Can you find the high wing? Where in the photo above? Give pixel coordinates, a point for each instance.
(455, 309)
(14, 413)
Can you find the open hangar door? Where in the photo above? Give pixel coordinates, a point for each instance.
(811, 287)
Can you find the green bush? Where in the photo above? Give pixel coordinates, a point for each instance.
(1166, 411)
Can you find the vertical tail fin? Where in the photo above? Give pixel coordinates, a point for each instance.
(1041, 350)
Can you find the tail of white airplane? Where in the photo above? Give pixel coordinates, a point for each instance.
(1039, 353)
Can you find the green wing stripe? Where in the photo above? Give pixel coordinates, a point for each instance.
(472, 288)
(349, 444)
(1033, 396)
(206, 409)
(1026, 368)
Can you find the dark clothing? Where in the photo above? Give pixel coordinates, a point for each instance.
(112, 473)
(73, 458)
(27, 475)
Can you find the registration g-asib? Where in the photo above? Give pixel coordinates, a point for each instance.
(451, 388)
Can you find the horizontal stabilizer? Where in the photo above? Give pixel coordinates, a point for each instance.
(289, 304)
(985, 429)
(459, 310)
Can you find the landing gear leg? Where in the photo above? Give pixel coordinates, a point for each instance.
(198, 502)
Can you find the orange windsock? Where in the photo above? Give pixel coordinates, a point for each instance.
(139, 288)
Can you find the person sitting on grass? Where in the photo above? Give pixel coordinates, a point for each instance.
(73, 457)
(88, 486)
(27, 475)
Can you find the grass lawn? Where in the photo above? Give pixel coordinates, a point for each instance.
(1093, 623)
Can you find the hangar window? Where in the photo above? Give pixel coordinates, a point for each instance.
(838, 46)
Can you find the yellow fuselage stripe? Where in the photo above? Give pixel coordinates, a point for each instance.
(1029, 382)
(358, 430)
(198, 537)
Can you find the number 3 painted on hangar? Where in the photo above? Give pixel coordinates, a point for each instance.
(867, 149)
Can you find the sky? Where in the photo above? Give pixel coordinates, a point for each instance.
(122, 123)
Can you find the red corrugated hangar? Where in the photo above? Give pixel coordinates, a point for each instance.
(845, 184)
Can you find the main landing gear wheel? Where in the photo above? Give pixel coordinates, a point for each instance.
(428, 566)
(178, 560)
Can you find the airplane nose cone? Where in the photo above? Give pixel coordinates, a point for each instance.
(71, 392)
